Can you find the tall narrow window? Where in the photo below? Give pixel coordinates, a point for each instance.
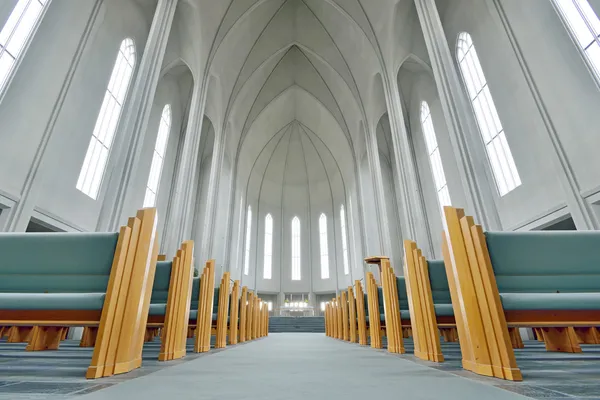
(267, 272)
(94, 164)
(434, 156)
(585, 27)
(248, 238)
(16, 33)
(344, 240)
(491, 130)
(296, 269)
(324, 247)
(158, 158)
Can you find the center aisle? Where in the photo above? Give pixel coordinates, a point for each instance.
(304, 367)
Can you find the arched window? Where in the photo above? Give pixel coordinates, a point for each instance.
(296, 269)
(159, 156)
(248, 238)
(344, 240)
(584, 25)
(324, 247)
(94, 164)
(267, 272)
(16, 33)
(491, 130)
(435, 160)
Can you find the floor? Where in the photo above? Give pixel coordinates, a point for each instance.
(296, 366)
(546, 375)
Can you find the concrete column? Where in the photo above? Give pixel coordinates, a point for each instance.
(206, 249)
(460, 120)
(120, 201)
(379, 193)
(409, 193)
(182, 202)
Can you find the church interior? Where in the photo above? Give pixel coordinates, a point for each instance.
(297, 199)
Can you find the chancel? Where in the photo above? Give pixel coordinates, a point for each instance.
(299, 199)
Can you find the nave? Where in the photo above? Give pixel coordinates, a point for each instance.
(300, 366)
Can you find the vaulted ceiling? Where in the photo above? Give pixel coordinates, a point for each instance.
(315, 64)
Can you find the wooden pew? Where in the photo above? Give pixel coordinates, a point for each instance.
(243, 314)
(546, 280)
(171, 302)
(430, 303)
(234, 310)
(385, 301)
(201, 316)
(361, 317)
(220, 320)
(58, 280)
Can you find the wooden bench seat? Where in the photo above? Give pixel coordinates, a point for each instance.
(430, 303)
(170, 303)
(52, 281)
(548, 280)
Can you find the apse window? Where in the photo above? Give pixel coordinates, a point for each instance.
(435, 159)
(16, 33)
(584, 25)
(296, 269)
(322, 306)
(344, 240)
(158, 157)
(248, 238)
(270, 306)
(323, 245)
(94, 164)
(491, 130)
(268, 251)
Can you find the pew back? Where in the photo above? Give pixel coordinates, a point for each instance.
(545, 262)
(56, 262)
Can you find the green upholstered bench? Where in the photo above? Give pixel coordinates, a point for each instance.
(56, 280)
(543, 279)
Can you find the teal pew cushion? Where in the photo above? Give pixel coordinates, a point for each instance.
(162, 279)
(401, 288)
(57, 253)
(56, 262)
(550, 301)
(550, 262)
(195, 289)
(444, 310)
(157, 309)
(52, 301)
(439, 282)
(216, 301)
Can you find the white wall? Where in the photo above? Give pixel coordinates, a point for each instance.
(536, 26)
(34, 91)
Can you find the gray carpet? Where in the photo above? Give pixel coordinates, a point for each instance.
(301, 366)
